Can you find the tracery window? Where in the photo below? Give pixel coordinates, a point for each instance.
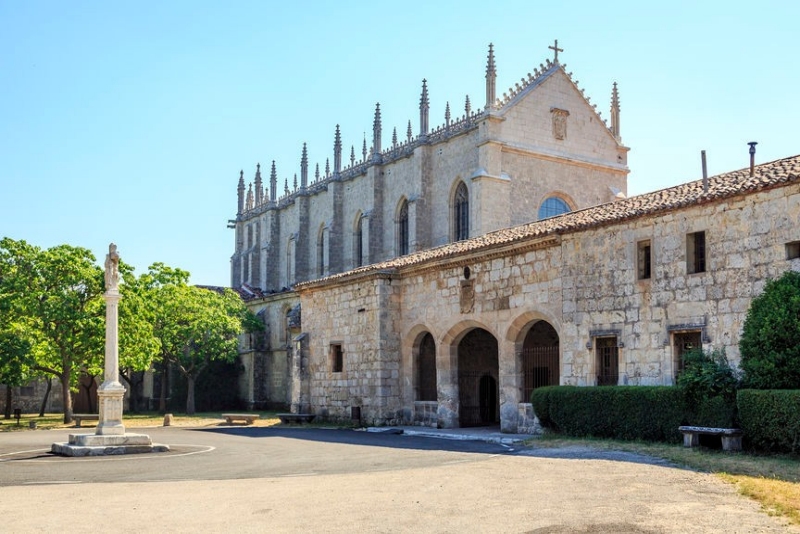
(402, 229)
(359, 242)
(461, 213)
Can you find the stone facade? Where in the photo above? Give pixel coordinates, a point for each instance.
(580, 274)
(457, 329)
(402, 199)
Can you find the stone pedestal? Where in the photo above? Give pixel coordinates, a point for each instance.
(95, 445)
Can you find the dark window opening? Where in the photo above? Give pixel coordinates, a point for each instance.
(337, 358)
(683, 342)
(644, 260)
(461, 213)
(607, 361)
(793, 250)
(359, 242)
(402, 230)
(696, 252)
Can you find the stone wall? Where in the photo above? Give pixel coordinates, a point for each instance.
(585, 284)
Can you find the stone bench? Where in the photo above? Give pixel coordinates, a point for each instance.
(79, 417)
(248, 418)
(287, 418)
(731, 437)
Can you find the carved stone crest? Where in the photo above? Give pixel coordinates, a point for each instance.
(559, 123)
(467, 296)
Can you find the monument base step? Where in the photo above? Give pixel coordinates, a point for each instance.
(96, 445)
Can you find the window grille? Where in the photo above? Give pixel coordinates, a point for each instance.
(696, 252)
(552, 207)
(607, 361)
(682, 343)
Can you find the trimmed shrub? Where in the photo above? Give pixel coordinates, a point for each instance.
(709, 384)
(770, 419)
(770, 342)
(651, 413)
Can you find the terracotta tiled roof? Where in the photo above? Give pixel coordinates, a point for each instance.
(766, 176)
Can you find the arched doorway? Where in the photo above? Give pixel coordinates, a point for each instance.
(478, 372)
(540, 360)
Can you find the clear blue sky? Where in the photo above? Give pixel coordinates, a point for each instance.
(129, 121)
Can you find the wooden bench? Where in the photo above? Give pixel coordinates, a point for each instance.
(79, 417)
(731, 437)
(288, 418)
(248, 418)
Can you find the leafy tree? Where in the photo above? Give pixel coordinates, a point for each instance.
(57, 292)
(138, 345)
(197, 326)
(770, 342)
(15, 362)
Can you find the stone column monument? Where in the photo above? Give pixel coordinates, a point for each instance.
(110, 393)
(110, 436)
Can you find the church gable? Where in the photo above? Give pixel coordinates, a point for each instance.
(551, 114)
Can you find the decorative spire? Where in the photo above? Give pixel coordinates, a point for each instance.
(250, 196)
(337, 152)
(316, 174)
(364, 150)
(352, 155)
(424, 107)
(615, 113)
(394, 137)
(240, 193)
(556, 50)
(491, 77)
(376, 131)
(447, 115)
(327, 167)
(467, 108)
(273, 183)
(294, 185)
(259, 188)
(408, 131)
(286, 187)
(303, 169)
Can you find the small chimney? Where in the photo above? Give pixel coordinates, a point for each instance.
(705, 171)
(752, 157)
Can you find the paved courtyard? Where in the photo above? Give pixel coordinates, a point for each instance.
(317, 480)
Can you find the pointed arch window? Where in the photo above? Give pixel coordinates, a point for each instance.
(359, 242)
(321, 252)
(461, 213)
(402, 229)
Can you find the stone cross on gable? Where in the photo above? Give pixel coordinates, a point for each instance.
(555, 49)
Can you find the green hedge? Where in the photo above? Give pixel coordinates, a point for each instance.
(770, 419)
(651, 413)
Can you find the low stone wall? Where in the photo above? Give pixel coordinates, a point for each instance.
(527, 422)
(425, 413)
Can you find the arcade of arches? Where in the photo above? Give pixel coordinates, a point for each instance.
(477, 373)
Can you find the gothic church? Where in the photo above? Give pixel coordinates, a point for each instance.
(439, 280)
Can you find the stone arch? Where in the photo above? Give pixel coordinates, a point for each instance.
(559, 196)
(466, 366)
(537, 350)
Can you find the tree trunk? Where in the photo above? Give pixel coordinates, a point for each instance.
(162, 401)
(189, 395)
(46, 396)
(8, 402)
(66, 396)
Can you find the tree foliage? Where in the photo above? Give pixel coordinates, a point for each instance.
(770, 342)
(196, 326)
(56, 291)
